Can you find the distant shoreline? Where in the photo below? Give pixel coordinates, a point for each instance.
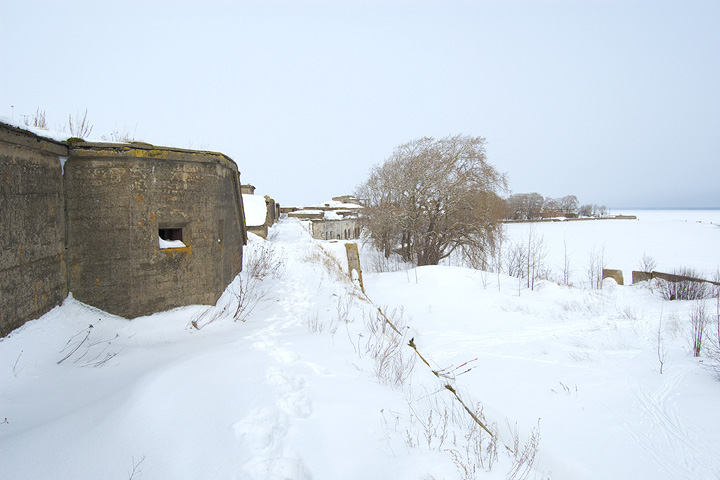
(665, 208)
(581, 219)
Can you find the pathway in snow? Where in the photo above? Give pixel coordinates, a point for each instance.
(263, 431)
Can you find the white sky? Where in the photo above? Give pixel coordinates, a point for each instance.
(617, 102)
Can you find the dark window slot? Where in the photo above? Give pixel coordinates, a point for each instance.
(171, 233)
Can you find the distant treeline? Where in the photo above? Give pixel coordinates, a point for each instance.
(533, 206)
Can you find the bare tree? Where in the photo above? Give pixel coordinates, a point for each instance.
(526, 258)
(661, 351)
(536, 253)
(647, 263)
(525, 206)
(566, 263)
(552, 206)
(586, 210)
(596, 263)
(499, 256)
(432, 197)
(569, 204)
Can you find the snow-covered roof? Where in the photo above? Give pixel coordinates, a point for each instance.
(335, 215)
(255, 210)
(47, 133)
(41, 132)
(335, 205)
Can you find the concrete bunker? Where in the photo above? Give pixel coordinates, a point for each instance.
(132, 229)
(151, 228)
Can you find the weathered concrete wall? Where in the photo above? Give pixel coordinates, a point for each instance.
(269, 213)
(617, 275)
(32, 230)
(638, 277)
(261, 231)
(346, 229)
(354, 268)
(307, 214)
(118, 199)
(669, 277)
(87, 218)
(272, 216)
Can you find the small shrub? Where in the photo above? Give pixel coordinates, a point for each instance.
(516, 260)
(314, 324)
(524, 459)
(259, 263)
(715, 287)
(37, 120)
(94, 353)
(715, 333)
(319, 256)
(698, 321)
(596, 264)
(479, 451)
(375, 262)
(79, 126)
(121, 135)
(685, 289)
(392, 362)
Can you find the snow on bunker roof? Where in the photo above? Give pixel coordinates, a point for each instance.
(255, 210)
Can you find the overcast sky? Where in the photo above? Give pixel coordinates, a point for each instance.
(616, 102)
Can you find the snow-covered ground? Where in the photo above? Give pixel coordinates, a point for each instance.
(313, 383)
(674, 238)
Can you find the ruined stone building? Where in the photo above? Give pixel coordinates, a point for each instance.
(335, 220)
(132, 229)
(261, 212)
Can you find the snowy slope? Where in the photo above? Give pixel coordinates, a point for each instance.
(582, 363)
(301, 388)
(266, 398)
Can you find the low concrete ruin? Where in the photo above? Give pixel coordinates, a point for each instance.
(334, 220)
(617, 275)
(261, 212)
